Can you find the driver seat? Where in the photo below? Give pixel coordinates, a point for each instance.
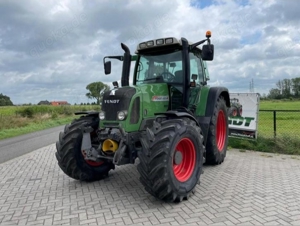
(178, 76)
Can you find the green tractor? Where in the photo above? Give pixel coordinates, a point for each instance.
(169, 120)
(236, 109)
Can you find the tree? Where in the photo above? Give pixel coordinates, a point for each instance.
(287, 87)
(279, 85)
(296, 86)
(97, 90)
(5, 100)
(274, 94)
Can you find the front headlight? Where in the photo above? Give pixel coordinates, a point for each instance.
(101, 115)
(122, 115)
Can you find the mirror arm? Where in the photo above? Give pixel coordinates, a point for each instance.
(121, 58)
(199, 43)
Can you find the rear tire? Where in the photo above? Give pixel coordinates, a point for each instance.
(70, 157)
(171, 159)
(240, 112)
(217, 139)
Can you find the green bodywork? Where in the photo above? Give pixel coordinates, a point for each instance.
(154, 98)
(152, 101)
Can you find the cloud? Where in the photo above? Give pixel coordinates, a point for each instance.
(52, 50)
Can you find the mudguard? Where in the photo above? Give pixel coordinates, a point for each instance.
(214, 93)
(93, 113)
(177, 114)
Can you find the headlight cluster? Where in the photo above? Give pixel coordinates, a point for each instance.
(122, 115)
(101, 115)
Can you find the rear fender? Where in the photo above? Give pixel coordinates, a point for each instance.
(213, 95)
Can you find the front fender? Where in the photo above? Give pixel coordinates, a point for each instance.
(92, 113)
(177, 114)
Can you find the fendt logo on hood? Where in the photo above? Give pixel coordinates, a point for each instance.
(111, 101)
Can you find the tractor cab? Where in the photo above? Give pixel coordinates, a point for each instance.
(163, 62)
(177, 63)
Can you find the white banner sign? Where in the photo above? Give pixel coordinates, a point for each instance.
(243, 115)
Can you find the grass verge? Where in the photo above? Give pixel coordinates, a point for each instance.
(36, 125)
(281, 145)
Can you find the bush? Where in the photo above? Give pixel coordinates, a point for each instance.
(68, 110)
(26, 112)
(54, 115)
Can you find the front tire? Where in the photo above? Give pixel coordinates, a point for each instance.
(70, 157)
(217, 139)
(171, 159)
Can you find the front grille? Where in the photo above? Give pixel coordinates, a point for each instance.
(110, 112)
(115, 101)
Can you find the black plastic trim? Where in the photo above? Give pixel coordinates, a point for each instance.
(87, 113)
(214, 93)
(186, 72)
(204, 125)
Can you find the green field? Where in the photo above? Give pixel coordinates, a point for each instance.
(287, 129)
(45, 109)
(280, 105)
(18, 120)
(287, 123)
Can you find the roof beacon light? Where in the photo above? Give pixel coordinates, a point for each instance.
(208, 34)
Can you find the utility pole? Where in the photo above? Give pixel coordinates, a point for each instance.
(251, 87)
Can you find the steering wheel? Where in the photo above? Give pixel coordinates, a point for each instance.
(167, 76)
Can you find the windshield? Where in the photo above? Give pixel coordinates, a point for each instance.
(160, 68)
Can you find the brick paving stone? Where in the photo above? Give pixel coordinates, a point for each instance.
(247, 189)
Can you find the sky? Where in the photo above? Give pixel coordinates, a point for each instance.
(51, 50)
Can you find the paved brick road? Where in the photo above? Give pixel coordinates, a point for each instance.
(248, 188)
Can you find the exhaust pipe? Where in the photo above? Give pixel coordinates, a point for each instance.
(126, 66)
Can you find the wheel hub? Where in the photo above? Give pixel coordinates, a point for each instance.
(177, 157)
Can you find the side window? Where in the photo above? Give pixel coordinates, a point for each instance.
(206, 70)
(196, 68)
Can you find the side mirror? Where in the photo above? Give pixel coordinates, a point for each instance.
(208, 52)
(107, 67)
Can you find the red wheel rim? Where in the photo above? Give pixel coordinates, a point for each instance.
(185, 168)
(241, 111)
(89, 162)
(221, 131)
